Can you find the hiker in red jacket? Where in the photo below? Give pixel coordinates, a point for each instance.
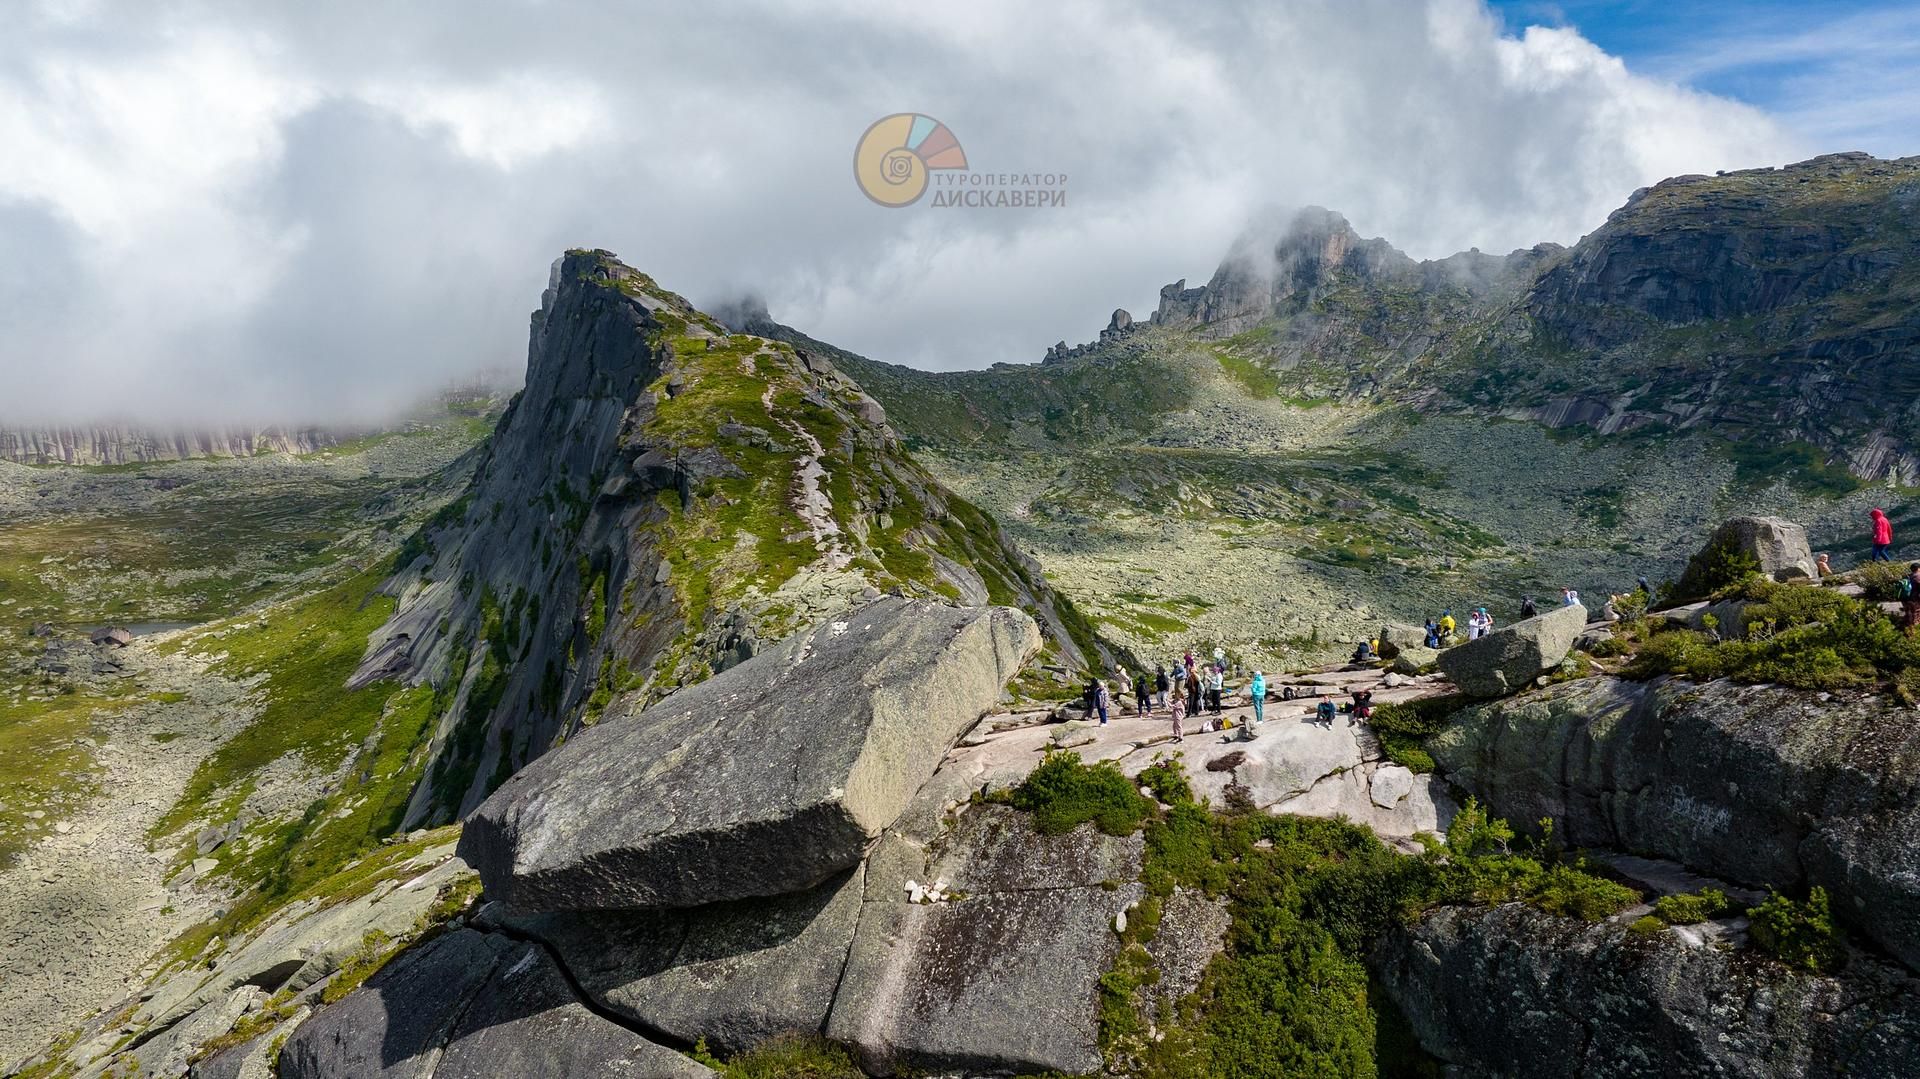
(1882, 537)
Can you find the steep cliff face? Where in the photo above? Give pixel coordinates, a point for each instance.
(1514, 992)
(1756, 784)
(132, 445)
(1768, 306)
(663, 498)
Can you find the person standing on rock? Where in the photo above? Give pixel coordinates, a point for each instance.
(1882, 536)
(1160, 686)
(1478, 624)
(1433, 634)
(1215, 684)
(1140, 698)
(1103, 698)
(1193, 692)
(1091, 697)
(1821, 567)
(1257, 689)
(1528, 609)
(1447, 625)
(1179, 709)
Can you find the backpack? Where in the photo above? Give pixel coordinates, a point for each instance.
(1906, 588)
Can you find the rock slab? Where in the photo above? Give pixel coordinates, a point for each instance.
(1002, 981)
(1510, 657)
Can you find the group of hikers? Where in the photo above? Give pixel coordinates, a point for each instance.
(1444, 631)
(1187, 689)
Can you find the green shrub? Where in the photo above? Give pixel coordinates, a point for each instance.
(1799, 636)
(1066, 792)
(1403, 728)
(1800, 934)
(1407, 752)
(1168, 782)
(1485, 869)
(1880, 580)
(1694, 908)
(1646, 926)
(1718, 566)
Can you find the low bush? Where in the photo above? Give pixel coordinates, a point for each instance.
(1692, 909)
(1066, 792)
(1168, 782)
(1720, 566)
(1799, 934)
(1796, 635)
(1646, 926)
(1404, 727)
(1879, 580)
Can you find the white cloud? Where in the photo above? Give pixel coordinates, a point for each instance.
(323, 210)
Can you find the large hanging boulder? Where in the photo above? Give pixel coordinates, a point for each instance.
(764, 780)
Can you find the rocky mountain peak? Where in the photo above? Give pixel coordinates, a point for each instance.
(662, 500)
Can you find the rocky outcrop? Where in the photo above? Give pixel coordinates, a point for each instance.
(762, 781)
(1755, 784)
(1511, 991)
(470, 1005)
(1777, 547)
(1511, 657)
(664, 499)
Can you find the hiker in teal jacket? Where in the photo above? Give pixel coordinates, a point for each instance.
(1258, 691)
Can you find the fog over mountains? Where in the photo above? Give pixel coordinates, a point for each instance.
(221, 213)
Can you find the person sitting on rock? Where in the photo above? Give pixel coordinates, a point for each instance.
(1610, 610)
(1447, 626)
(1433, 634)
(1363, 704)
(1821, 567)
(1569, 598)
(1363, 653)
(1326, 713)
(1528, 609)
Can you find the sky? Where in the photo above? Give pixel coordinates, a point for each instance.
(225, 210)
